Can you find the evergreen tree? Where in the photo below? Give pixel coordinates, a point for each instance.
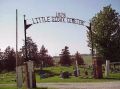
(45, 60)
(9, 59)
(49, 61)
(105, 27)
(1, 61)
(65, 59)
(79, 59)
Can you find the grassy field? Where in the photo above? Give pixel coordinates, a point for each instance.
(7, 87)
(56, 70)
(54, 76)
(57, 79)
(7, 78)
(81, 78)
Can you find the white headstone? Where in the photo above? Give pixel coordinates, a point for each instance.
(77, 68)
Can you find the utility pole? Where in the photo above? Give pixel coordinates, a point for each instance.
(17, 48)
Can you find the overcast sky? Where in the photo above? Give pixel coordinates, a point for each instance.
(54, 36)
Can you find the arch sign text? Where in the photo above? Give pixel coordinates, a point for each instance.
(59, 17)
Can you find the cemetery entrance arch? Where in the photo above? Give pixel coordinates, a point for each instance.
(59, 17)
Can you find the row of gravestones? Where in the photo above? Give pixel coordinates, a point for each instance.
(97, 70)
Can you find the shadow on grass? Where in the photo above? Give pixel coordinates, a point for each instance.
(112, 78)
(104, 78)
(44, 88)
(48, 72)
(41, 88)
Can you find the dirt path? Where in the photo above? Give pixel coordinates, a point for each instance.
(100, 85)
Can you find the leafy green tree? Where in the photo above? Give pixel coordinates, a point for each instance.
(65, 59)
(79, 58)
(105, 27)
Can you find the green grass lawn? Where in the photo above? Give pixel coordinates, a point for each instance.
(57, 79)
(9, 78)
(82, 78)
(8, 87)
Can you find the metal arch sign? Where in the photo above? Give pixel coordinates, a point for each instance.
(59, 17)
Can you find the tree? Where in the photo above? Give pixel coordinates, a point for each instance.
(45, 60)
(106, 34)
(65, 57)
(49, 61)
(32, 50)
(1, 60)
(79, 59)
(9, 59)
(42, 56)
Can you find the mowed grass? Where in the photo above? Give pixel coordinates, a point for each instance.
(81, 78)
(57, 79)
(8, 78)
(7, 87)
(54, 72)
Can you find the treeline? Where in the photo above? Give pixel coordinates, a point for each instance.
(40, 57)
(7, 59)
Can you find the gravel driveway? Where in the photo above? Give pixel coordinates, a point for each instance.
(100, 85)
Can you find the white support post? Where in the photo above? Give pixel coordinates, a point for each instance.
(77, 68)
(107, 68)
